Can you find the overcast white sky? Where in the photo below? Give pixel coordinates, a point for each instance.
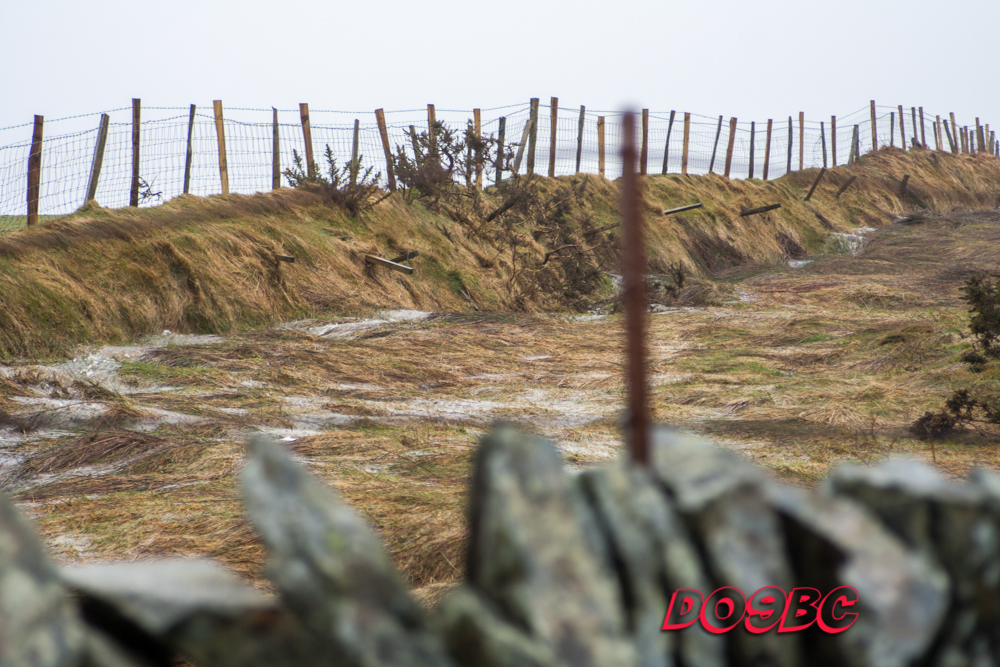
(754, 60)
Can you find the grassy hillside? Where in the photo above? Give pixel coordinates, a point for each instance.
(207, 264)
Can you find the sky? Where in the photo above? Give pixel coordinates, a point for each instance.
(754, 60)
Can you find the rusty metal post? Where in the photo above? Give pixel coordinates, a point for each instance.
(633, 271)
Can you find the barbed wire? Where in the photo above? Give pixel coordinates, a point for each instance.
(67, 157)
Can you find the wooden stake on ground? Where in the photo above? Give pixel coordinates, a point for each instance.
(477, 128)
(833, 139)
(819, 177)
(220, 132)
(644, 150)
(687, 142)
(767, 148)
(35, 170)
(760, 209)
(553, 134)
(275, 151)
(133, 197)
(501, 149)
(307, 139)
(633, 272)
(874, 128)
(381, 261)
(355, 149)
(845, 186)
(715, 146)
(600, 146)
(802, 140)
(729, 148)
(189, 154)
(95, 165)
(533, 135)
(752, 142)
(579, 137)
(666, 148)
(923, 127)
(383, 131)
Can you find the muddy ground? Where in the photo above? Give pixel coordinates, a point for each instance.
(132, 451)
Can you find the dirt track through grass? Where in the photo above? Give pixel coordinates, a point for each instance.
(133, 451)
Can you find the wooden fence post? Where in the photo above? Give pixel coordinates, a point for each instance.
(533, 135)
(715, 146)
(432, 146)
(501, 152)
(923, 127)
(951, 140)
(600, 145)
(753, 141)
(802, 140)
(954, 133)
(986, 138)
(524, 142)
(35, 171)
(468, 155)
(687, 142)
(980, 139)
(189, 154)
(579, 137)
(913, 115)
(383, 131)
(767, 149)
(937, 139)
(307, 139)
(853, 155)
(553, 134)
(902, 128)
(729, 148)
(355, 149)
(417, 157)
(477, 127)
(965, 139)
(892, 129)
(95, 165)
(644, 150)
(791, 144)
(220, 131)
(275, 150)
(666, 148)
(822, 139)
(833, 139)
(133, 197)
(874, 129)
(937, 124)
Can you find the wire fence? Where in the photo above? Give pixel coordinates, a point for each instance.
(68, 154)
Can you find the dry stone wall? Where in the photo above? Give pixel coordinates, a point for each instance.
(564, 569)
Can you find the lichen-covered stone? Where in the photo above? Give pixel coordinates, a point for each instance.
(194, 607)
(951, 523)
(903, 595)
(535, 554)
(39, 627)
(476, 636)
(722, 499)
(331, 569)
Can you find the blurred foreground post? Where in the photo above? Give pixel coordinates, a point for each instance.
(35, 170)
(633, 272)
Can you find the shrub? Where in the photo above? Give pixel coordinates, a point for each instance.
(345, 186)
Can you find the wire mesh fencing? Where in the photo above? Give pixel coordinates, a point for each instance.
(585, 141)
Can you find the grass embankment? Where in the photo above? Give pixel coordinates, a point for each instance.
(207, 264)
